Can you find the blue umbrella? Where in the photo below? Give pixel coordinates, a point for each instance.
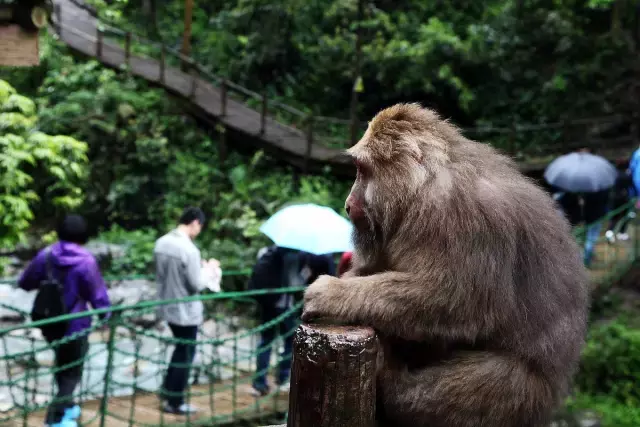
(581, 173)
(310, 228)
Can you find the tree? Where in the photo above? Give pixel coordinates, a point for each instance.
(38, 172)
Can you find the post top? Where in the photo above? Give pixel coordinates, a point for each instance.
(343, 332)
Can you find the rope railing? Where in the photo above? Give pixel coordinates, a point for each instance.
(125, 363)
(308, 130)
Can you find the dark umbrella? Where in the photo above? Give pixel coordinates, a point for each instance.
(581, 173)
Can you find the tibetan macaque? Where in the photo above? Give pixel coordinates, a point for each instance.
(467, 272)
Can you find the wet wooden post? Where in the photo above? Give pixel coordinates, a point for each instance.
(222, 137)
(263, 113)
(163, 59)
(127, 48)
(223, 97)
(333, 377)
(100, 33)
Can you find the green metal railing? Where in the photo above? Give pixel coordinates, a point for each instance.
(127, 358)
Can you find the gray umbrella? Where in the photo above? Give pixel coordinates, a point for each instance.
(581, 173)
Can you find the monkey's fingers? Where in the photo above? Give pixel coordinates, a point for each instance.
(309, 315)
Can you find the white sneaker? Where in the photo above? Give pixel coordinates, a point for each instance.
(284, 387)
(622, 236)
(610, 236)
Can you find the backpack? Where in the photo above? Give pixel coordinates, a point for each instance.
(267, 274)
(49, 303)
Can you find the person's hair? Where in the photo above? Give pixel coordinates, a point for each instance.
(74, 229)
(191, 214)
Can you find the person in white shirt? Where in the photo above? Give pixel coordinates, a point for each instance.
(180, 273)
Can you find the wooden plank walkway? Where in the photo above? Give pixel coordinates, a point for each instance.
(143, 409)
(78, 29)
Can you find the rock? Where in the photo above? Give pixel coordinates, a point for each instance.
(16, 298)
(130, 292)
(102, 250)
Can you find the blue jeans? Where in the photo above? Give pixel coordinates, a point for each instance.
(591, 238)
(177, 378)
(267, 337)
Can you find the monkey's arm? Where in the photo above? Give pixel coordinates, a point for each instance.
(402, 305)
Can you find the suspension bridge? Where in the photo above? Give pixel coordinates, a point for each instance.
(308, 142)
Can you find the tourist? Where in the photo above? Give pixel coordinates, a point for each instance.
(77, 271)
(181, 273)
(281, 267)
(276, 267)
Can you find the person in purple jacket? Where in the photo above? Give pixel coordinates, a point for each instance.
(78, 271)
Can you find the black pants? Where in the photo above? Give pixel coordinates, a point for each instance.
(177, 378)
(67, 378)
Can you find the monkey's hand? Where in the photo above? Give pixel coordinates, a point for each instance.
(322, 299)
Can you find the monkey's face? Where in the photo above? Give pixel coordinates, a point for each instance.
(358, 204)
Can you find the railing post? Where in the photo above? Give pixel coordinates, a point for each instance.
(127, 48)
(263, 113)
(222, 137)
(108, 373)
(223, 98)
(307, 154)
(57, 10)
(194, 82)
(163, 58)
(333, 377)
(99, 41)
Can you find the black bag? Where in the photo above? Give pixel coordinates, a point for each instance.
(49, 303)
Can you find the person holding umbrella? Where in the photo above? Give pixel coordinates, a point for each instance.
(586, 176)
(304, 235)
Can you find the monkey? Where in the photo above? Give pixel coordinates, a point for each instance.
(471, 279)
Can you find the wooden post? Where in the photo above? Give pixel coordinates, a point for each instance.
(57, 7)
(194, 83)
(99, 42)
(333, 377)
(163, 58)
(307, 154)
(186, 35)
(127, 48)
(263, 113)
(223, 98)
(222, 135)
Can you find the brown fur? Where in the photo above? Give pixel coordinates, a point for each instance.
(468, 273)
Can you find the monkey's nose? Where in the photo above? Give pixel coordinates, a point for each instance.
(347, 208)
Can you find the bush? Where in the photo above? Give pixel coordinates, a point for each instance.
(610, 363)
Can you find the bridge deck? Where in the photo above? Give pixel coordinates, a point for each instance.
(143, 409)
(78, 29)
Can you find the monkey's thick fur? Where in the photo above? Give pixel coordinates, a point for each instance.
(468, 273)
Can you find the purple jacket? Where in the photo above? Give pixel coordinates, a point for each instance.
(83, 282)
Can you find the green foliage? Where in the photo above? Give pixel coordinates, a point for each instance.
(611, 412)
(138, 246)
(37, 171)
(610, 363)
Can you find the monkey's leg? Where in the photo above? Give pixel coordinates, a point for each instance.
(473, 390)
